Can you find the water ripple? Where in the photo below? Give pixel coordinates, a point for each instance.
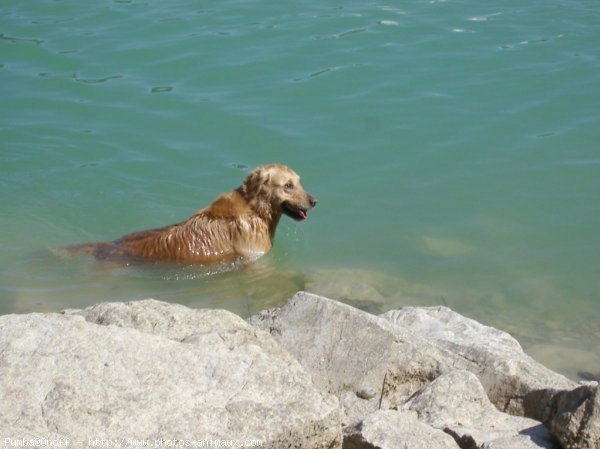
(161, 89)
(388, 22)
(15, 40)
(95, 80)
(484, 18)
(343, 34)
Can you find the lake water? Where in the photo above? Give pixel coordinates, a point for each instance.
(453, 146)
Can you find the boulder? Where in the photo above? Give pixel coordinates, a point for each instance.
(392, 429)
(322, 375)
(400, 351)
(573, 416)
(506, 372)
(150, 370)
(457, 403)
(346, 350)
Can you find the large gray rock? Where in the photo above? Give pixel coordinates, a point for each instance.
(506, 372)
(154, 370)
(457, 403)
(392, 429)
(400, 351)
(573, 417)
(348, 350)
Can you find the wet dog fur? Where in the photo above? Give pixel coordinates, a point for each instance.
(237, 225)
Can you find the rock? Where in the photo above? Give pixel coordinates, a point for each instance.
(366, 393)
(410, 378)
(354, 287)
(172, 321)
(345, 349)
(573, 417)
(391, 429)
(371, 291)
(353, 408)
(408, 347)
(456, 402)
(506, 372)
(154, 370)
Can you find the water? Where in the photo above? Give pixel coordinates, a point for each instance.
(453, 146)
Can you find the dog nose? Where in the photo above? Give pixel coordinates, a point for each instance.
(312, 200)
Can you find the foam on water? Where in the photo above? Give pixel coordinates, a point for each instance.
(453, 147)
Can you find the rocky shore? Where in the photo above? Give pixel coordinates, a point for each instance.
(314, 373)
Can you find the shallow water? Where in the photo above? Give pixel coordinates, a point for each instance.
(453, 146)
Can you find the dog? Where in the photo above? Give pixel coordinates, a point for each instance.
(237, 226)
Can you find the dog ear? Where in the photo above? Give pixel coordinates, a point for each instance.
(260, 176)
(256, 191)
(253, 185)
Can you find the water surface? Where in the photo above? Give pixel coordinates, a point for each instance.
(453, 146)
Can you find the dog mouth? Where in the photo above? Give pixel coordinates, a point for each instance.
(295, 212)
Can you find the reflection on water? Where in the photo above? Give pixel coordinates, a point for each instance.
(44, 282)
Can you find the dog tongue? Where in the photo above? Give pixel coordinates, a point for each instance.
(303, 215)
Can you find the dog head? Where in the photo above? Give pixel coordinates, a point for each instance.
(275, 189)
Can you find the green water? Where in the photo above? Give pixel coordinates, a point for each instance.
(453, 146)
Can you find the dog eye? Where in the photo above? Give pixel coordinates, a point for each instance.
(289, 186)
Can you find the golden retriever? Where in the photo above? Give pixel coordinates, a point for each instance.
(238, 225)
